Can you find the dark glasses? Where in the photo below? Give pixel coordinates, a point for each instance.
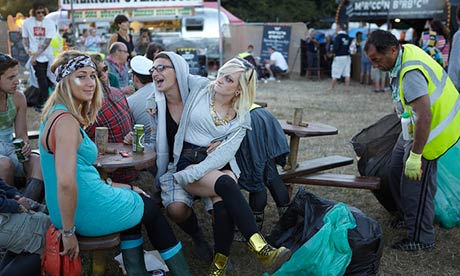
(40, 12)
(160, 68)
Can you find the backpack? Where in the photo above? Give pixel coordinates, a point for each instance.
(53, 263)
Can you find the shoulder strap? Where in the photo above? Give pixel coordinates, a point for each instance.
(51, 129)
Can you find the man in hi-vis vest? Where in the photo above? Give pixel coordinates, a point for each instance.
(421, 88)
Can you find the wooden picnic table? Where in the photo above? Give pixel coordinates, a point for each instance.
(296, 132)
(109, 162)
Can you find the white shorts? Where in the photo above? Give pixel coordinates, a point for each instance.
(341, 67)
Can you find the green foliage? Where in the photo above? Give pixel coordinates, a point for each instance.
(8, 7)
(281, 11)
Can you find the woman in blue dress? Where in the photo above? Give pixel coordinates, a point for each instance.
(78, 200)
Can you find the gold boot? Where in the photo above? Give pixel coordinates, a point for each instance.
(270, 257)
(219, 265)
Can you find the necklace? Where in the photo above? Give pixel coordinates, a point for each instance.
(215, 117)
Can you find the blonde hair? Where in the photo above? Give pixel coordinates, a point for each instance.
(247, 83)
(62, 94)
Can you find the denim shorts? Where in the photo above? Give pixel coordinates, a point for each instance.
(7, 151)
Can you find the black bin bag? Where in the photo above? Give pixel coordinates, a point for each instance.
(304, 218)
(373, 145)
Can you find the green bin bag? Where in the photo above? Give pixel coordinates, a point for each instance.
(328, 252)
(447, 198)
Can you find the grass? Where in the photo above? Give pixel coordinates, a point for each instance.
(350, 112)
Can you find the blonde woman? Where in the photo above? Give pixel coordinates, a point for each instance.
(78, 200)
(213, 124)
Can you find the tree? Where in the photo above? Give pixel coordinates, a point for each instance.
(281, 11)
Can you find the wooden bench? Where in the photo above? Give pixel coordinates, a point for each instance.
(339, 180)
(315, 165)
(32, 134)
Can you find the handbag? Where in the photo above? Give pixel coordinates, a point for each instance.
(53, 263)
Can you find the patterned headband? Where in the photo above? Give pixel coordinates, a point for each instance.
(72, 65)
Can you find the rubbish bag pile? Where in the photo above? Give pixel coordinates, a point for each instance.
(327, 238)
(373, 145)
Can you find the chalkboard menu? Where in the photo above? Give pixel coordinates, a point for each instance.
(17, 48)
(191, 56)
(278, 37)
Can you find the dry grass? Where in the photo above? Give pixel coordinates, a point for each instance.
(349, 112)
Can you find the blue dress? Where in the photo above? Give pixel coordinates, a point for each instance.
(101, 209)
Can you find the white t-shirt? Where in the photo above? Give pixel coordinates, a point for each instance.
(37, 32)
(279, 60)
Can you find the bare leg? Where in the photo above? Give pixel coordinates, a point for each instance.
(347, 81)
(33, 168)
(334, 84)
(267, 66)
(7, 170)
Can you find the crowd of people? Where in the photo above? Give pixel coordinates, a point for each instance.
(203, 133)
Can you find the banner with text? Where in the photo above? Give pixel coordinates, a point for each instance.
(278, 37)
(125, 4)
(390, 9)
(139, 14)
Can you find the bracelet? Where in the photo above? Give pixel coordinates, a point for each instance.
(132, 187)
(68, 233)
(109, 181)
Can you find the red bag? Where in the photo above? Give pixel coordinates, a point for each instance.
(54, 264)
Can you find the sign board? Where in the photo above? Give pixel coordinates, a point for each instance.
(191, 56)
(278, 37)
(390, 9)
(17, 48)
(148, 13)
(125, 4)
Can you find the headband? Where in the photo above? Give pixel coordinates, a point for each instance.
(72, 65)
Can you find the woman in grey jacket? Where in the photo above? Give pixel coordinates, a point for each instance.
(219, 116)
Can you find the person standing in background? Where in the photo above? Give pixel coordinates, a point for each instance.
(69, 36)
(143, 42)
(443, 41)
(123, 35)
(454, 67)
(117, 62)
(312, 53)
(342, 62)
(37, 33)
(93, 42)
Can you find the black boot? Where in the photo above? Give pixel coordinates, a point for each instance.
(178, 265)
(35, 190)
(133, 260)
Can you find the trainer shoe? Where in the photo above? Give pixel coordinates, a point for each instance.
(410, 245)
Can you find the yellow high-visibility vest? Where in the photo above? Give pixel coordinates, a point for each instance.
(444, 101)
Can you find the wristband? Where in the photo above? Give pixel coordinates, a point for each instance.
(68, 233)
(109, 181)
(132, 187)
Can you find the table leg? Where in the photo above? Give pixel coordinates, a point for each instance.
(294, 148)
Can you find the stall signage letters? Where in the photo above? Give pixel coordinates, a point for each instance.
(110, 14)
(382, 9)
(125, 4)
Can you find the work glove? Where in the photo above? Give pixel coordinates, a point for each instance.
(413, 168)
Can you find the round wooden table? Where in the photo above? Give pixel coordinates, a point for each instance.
(109, 162)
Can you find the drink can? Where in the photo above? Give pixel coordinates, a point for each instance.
(138, 138)
(18, 145)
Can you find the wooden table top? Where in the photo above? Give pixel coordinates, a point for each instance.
(313, 129)
(112, 161)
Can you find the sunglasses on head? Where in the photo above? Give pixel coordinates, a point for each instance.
(248, 66)
(160, 68)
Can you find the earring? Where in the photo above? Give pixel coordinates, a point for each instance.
(237, 93)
